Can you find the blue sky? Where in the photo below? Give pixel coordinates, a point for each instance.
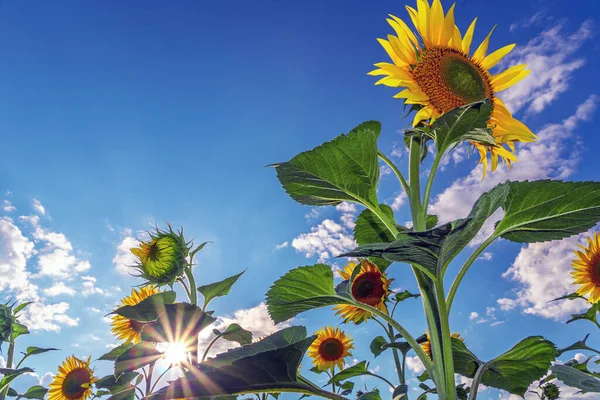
(116, 116)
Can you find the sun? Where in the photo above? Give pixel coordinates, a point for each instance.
(176, 353)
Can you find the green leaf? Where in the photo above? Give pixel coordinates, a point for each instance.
(433, 250)
(464, 123)
(197, 249)
(21, 307)
(549, 210)
(100, 393)
(268, 365)
(114, 385)
(35, 392)
(591, 315)
(218, 289)
(18, 329)
(512, 371)
(370, 229)
(138, 355)
(578, 379)
(373, 395)
(405, 295)
(148, 309)
(235, 333)
(32, 350)
(581, 345)
(302, 289)
(116, 352)
(350, 372)
(177, 323)
(431, 221)
(377, 345)
(10, 375)
(12, 392)
(344, 169)
(404, 347)
(127, 394)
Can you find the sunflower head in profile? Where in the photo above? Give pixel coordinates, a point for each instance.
(587, 269)
(330, 348)
(73, 381)
(161, 259)
(128, 329)
(370, 286)
(426, 346)
(438, 72)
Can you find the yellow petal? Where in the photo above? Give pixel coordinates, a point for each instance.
(412, 97)
(493, 59)
(423, 11)
(409, 34)
(423, 114)
(414, 17)
(403, 49)
(390, 50)
(479, 54)
(507, 75)
(447, 35)
(498, 87)
(436, 23)
(456, 39)
(466, 42)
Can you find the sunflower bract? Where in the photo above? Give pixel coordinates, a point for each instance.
(438, 72)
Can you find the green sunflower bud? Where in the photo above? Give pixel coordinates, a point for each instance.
(7, 320)
(551, 391)
(162, 259)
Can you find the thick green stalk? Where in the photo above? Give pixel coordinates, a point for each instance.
(212, 342)
(9, 363)
(461, 274)
(429, 185)
(194, 300)
(399, 369)
(414, 193)
(446, 340)
(477, 381)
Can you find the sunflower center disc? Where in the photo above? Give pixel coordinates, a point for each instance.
(596, 271)
(71, 386)
(450, 79)
(331, 349)
(368, 288)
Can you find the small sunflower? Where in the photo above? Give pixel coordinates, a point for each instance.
(162, 259)
(587, 269)
(439, 73)
(330, 348)
(73, 381)
(426, 346)
(129, 329)
(370, 286)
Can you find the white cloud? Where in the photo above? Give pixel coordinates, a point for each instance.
(549, 157)
(384, 170)
(329, 238)
(415, 365)
(94, 310)
(46, 379)
(8, 207)
(15, 251)
(255, 320)
(550, 57)
(542, 273)
(282, 245)
(473, 316)
(486, 256)
(124, 259)
(89, 288)
(38, 207)
(2, 362)
(398, 150)
(539, 16)
(48, 317)
(59, 288)
(312, 214)
(496, 323)
(399, 201)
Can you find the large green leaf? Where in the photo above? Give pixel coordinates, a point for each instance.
(35, 392)
(432, 250)
(127, 394)
(573, 377)
(302, 289)
(140, 354)
(370, 229)
(549, 210)
(217, 289)
(350, 372)
(268, 365)
(235, 333)
(377, 345)
(116, 385)
(467, 122)
(10, 375)
(512, 371)
(180, 322)
(344, 169)
(148, 309)
(580, 345)
(116, 352)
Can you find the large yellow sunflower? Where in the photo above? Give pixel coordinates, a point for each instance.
(440, 74)
(129, 329)
(73, 381)
(330, 348)
(426, 346)
(370, 286)
(587, 269)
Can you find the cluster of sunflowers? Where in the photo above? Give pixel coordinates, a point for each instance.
(455, 97)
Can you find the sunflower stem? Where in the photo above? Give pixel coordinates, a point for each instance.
(477, 381)
(212, 342)
(461, 274)
(446, 340)
(193, 293)
(9, 363)
(159, 378)
(399, 369)
(389, 162)
(429, 185)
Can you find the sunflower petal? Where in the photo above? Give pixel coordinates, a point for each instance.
(424, 11)
(512, 81)
(447, 34)
(436, 23)
(468, 38)
(492, 59)
(409, 34)
(479, 54)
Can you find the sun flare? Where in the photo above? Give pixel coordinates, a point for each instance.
(175, 353)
